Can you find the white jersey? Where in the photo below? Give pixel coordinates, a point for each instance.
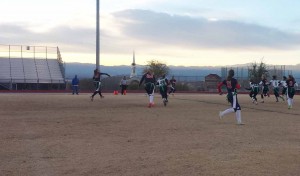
(123, 82)
(254, 86)
(275, 83)
(162, 82)
(283, 83)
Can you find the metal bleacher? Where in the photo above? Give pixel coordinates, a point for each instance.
(35, 69)
(30, 72)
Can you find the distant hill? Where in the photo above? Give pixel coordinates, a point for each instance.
(85, 70)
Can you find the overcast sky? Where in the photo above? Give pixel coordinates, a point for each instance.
(177, 32)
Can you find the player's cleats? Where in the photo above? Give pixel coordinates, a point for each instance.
(165, 102)
(241, 123)
(92, 98)
(101, 96)
(150, 105)
(289, 107)
(255, 102)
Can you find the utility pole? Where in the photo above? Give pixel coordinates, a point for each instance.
(97, 37)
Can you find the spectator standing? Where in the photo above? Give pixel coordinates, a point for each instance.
(123, 85)
(75, 85)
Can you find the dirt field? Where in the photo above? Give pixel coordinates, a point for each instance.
(63, 134)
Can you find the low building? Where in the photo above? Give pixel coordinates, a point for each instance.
(212, 81)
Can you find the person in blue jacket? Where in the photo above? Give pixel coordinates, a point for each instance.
(75, 85)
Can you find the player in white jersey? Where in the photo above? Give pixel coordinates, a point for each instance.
(162, 83)
(264, 88)
(172, 83)
(284, 87)
(275, 84)
(254, 89)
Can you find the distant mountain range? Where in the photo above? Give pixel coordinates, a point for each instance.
(85, 70)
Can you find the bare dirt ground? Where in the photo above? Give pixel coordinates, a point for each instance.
(63, 134)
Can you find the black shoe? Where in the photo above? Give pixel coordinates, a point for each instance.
(165, 102)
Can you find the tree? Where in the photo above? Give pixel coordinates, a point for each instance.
(158, 68)
(256, 71)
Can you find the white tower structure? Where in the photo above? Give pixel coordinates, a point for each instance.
(133, 66)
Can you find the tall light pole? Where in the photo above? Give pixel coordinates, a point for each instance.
(97, 37)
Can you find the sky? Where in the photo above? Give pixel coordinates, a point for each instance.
(175, 32)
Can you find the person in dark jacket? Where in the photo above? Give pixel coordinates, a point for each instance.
(149, 84)
(291, 84)
(232, 86)
(75, 85)
(97, 83)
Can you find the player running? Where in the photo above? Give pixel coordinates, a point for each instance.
(97, 83)
(172, 86)
(149, 85)
(284, 87)
(265, 88)
(163, 88)
(291, 83)
(232, 86)
(275, 84)
(254, 89)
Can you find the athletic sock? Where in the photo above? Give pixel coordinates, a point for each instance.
(289, 102)
(238, 116)
(151, 97)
